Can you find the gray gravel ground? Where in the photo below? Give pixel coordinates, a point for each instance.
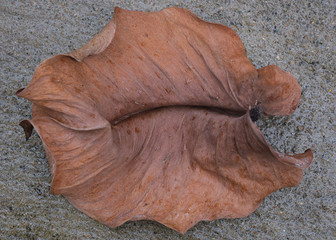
(298, 36)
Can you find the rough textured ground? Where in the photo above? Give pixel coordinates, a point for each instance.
(298, 36)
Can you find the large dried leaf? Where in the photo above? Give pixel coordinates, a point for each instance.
(151, 120)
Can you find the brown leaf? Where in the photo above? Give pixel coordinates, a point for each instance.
(151, 120)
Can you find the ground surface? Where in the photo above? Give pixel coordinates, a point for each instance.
(298, 36)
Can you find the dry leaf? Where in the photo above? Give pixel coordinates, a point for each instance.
(151, 120)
